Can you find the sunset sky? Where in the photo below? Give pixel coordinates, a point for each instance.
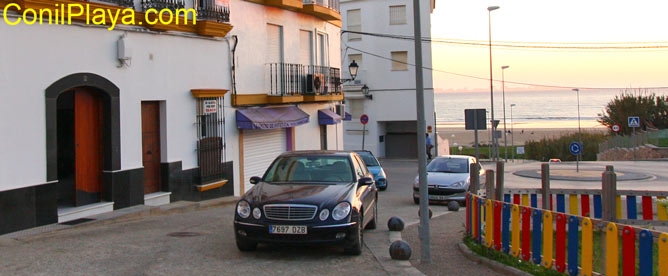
(565, 21)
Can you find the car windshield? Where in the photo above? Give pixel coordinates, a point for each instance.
(368, 158)
(318, 169)
(448, 165)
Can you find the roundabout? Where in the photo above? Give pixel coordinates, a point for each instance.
(583, 175)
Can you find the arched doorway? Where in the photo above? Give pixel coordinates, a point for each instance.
(83, 138)
(80, 156)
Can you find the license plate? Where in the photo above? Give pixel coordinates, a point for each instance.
(437, 197)
(288, 229)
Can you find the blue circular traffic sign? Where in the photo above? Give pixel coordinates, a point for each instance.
(575, 148)
(364, 119)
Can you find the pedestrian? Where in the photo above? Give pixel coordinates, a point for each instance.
(429, 146)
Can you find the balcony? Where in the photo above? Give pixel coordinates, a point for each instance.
(323, 9)
(295, 83)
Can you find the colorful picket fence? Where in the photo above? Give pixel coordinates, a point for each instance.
(633, 207)
(548, 238)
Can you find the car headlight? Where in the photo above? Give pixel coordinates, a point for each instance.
(459, 184)
(257, 214)
(324, 214)
(381, 173)
(243, 209)
(341, 211)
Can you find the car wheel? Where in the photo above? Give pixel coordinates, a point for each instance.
(372, 223)
(355, 246)
(246, 245)
(416, 200)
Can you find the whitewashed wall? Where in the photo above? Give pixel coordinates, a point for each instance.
(396, 100)
(163, 68)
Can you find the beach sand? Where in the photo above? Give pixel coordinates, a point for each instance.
(457, 134)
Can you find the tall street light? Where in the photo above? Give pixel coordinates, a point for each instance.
(503, 88)
(512, 131)
(577, 166)
(495, 151)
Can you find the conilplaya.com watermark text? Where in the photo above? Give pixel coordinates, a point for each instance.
(63, 14)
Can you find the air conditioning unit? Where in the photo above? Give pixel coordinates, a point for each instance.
(315, 83)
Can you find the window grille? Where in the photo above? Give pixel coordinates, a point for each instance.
(398, 15)
(399, 60)
(211, 139)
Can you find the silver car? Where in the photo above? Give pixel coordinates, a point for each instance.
(448, 178)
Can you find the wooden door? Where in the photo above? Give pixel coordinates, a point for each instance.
(150, 128)
(88, 149)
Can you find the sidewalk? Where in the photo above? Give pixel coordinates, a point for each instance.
(447, 231)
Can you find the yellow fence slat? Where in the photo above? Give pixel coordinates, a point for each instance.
(619, 207)
(587, 247)
(573, 204)
(548, 233)
(661, 211)
(489, 223)
(611, 250)
(515, 240)
(525, 199)
(663, 254)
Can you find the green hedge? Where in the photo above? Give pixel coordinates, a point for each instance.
(548, 148)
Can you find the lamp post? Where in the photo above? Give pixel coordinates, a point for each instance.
(512, 131)
(503, 89)
(577, 166)
(495, 151)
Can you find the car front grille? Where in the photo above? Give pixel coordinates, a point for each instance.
(290, 211)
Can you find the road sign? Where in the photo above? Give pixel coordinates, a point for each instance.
(634, 121)
(616, 128)
(428, 129)
(520, 150)
(575, 148)
(364, 119)
(475, 119)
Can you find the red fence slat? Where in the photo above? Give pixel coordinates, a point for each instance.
(628, 251)
(560, 241)
(647, 213)
(526, 233)
(497, 225)
(585, 205)
(516, 199)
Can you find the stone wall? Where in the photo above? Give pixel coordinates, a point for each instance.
(646, 152)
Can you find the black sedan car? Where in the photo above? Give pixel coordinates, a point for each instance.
(309, 197)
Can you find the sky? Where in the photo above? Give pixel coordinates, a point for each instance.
(564, 21)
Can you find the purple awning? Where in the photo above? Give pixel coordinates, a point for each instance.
(269, 118)
(348, 117)
(328, 117)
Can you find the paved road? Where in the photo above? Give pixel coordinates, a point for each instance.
(147, 245)
(658, 169)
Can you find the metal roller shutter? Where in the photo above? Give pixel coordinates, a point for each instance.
(261, 147)
(401, 145)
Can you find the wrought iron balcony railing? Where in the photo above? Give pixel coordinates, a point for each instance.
(331, 4)
(208, 10)
(159, 5)
(122, 3)
(284, 79)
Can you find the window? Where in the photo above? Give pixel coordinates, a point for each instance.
(399, 60)
(322, 53)
(356, 108)
(398, 15)
(354, 18)
(305, 47)
(274, 43)
(211, 139)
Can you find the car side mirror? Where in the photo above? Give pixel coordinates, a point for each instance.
(365, 181)
(255, 179)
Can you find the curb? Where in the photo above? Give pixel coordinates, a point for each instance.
(120, 215)
(504, 269)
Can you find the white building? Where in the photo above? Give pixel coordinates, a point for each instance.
(384, 68)
(93, 120)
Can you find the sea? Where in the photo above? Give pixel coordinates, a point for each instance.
(533, 109)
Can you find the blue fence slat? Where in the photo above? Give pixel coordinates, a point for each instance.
(645, 253)
(598, 209)
(534, 200)
(573, 241)
(505, 227)
(631, 207)
(561, 204)
(537, 235)
(506, 198)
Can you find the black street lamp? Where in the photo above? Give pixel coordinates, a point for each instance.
(352, 68)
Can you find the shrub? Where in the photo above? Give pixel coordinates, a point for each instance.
(652, 110)
(547, 148)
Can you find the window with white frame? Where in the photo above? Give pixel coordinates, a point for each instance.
(399, 61)
(274, 44)
(398, 15)
(305, 47)
(354, 18)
